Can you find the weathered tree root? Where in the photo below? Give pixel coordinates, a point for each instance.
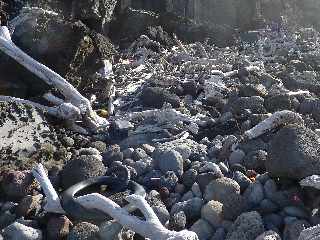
(73, 107)
(150, 228)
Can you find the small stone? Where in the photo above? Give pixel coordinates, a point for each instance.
(263, 178)
(247, 226)
(127, 153)
(220, 234)
(189, 177)
(81, 168)
(67, 141)
(148, 148)
(190, 88)
(164, 193)
(156, 97)
(242, 180)
(112, 154)
(180, 188)
(210, 167)
(204, 179)
(236, 157)
(196, 190)
(212, 212)
(296, 212)
(255, 160)
(84, 231)
(17, 184)
(29, 204)
(267, 206)
(187, 196)
(18, 231)
(6, 218)
(203, 229)
(254, 193)
(233, 205)
(58, 227)
(99, 145)
(238, 167)
(270, 188)
(288, 220)
(139, 154)
(169, 160)
(178, 221)
(220, 189)
(273, 219)
(169, 180)
(89, 151)
(192, 208)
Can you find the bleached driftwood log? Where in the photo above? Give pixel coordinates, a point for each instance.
(74, 102)
(277, 119)
(150, 228)
(52, 199)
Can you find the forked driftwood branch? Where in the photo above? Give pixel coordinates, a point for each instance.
(73, 107)
(150, 228)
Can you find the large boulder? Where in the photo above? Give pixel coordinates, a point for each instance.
(69, 48)
(23, 129)
(94, 13)
(294, 153)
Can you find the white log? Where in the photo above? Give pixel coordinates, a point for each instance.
(72, 96)
(65, 111)
(277, 119)
(150, 228)
(52, 198)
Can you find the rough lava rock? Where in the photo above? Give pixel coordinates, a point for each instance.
(294, 153)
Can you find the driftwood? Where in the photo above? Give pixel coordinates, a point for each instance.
(74, 107)
(150, 228)
(275, 120)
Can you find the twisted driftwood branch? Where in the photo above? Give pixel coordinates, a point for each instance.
(74, 102)
(150, 228)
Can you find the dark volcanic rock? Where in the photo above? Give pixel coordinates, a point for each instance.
(94, 13)
(80, 169)
(294, 153)
(16, 184)
(156, 97)
(248, 226)
(80, 52)
(85, 231)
